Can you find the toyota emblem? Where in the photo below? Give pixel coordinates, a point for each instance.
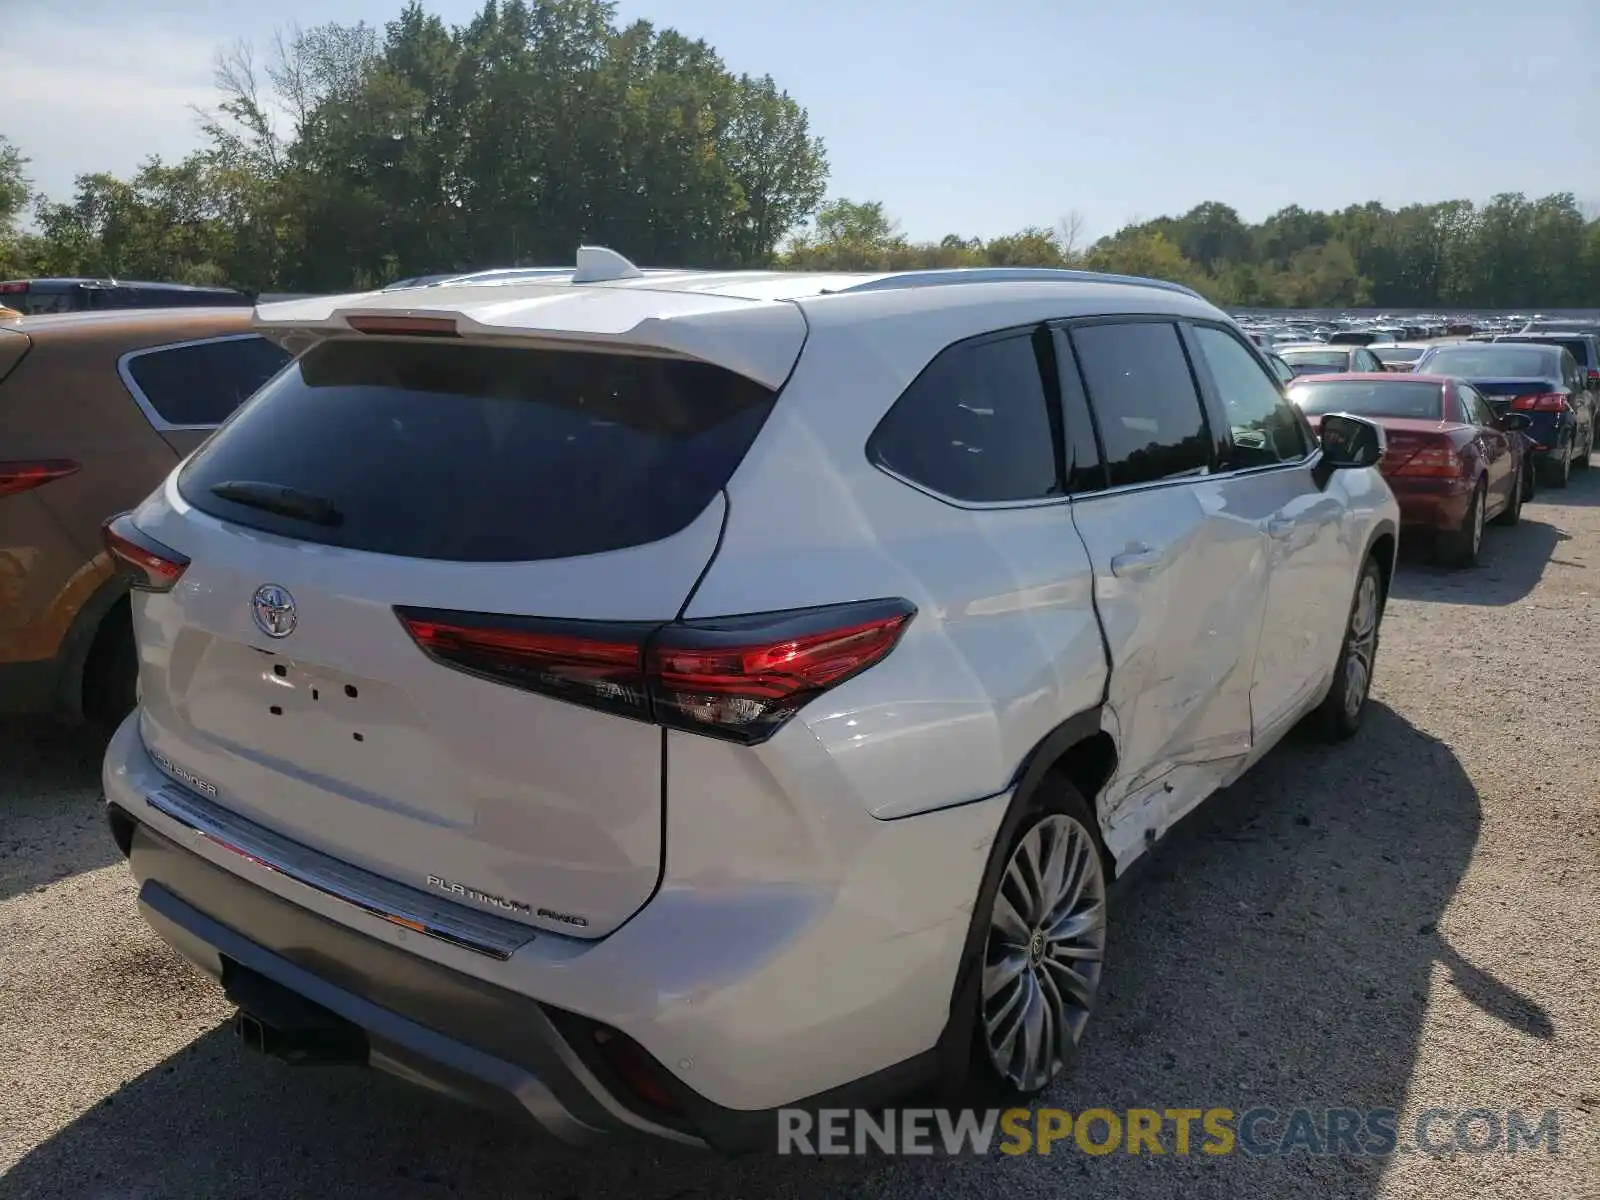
(273, 610)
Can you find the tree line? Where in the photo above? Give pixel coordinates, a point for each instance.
(348, 156)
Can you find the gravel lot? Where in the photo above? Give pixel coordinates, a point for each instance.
(1411, 920)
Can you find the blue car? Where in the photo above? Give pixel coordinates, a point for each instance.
(1543, 381)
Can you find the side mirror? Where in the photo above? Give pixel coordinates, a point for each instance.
(1515, 421)
(1349, 443)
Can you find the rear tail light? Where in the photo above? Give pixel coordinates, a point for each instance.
(25, 476)
(1437, 461)
(12, 289)
(143, 562)
(1593, 377)
(736, 678)
(1540, 402)
(589, 663)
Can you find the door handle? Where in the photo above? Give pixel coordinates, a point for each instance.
(1137, 559)
(1281, 527)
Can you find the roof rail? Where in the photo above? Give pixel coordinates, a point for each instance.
(939, 277)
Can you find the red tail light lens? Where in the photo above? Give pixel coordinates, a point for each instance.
(1439, 461)
(743, 677)
(25, 476)
(589, 663)
(738, 678)
(1540, 402)
(145, 563)
(1593, 376)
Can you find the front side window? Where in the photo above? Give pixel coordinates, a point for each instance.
(975, 425)
(1262, 426)
(1145, 400)
(201, 383)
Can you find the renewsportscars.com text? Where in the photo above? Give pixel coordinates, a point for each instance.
(1216, 1131)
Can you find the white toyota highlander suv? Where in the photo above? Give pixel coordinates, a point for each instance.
(652, 699)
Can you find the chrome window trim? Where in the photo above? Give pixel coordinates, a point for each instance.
(401, 905)
(1310, 460)
(157, 421)
(971, 505)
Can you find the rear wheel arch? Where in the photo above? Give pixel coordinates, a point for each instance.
(1081, 753)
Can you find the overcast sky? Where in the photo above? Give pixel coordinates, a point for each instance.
(978, 117)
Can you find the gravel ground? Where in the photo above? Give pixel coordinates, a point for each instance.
(1408, 921)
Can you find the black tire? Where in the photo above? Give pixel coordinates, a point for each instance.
(1512, 512)
(111, 674)
(1530, 477)
(1055, 804)
(1460, 547)
(1339, 716)
(1556, 476)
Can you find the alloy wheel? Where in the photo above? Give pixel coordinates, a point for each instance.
(1045, 951)
(1361, 645)
(1478, 506)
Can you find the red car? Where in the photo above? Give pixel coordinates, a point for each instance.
(1451, 462)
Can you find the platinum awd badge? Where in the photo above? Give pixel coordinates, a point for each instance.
(440, 884)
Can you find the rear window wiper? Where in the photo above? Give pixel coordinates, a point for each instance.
(276, 498)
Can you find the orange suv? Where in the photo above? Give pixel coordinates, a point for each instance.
(95, 410)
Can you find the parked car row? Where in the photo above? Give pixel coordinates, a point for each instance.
(495, 694)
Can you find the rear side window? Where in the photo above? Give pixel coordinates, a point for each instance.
(201, 383)
(975, 425)
(1151, 423)
(480, 453)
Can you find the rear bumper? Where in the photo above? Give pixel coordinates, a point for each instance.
(1431, 505)
(445, 1017)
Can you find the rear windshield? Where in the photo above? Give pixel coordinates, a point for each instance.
(1422, 401)
(1316, 358)
(479, 454)
(1490, 360)
(1391, 354)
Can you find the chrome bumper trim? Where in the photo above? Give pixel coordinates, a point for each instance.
(396, 903)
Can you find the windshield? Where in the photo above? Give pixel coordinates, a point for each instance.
(1577, 346)
(1370, 398)
(1491, 361)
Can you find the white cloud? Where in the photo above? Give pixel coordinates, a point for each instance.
(81, 98)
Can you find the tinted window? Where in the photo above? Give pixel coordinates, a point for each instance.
(975, 425)
(1578, 347)
(201, 383)
(35, 300)
(1506, 360)
(1263, 428)
(1144, 397)
(1371, 398)
(1398, 354)
(1332, 360)
(1478, 410)
(483, 454)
